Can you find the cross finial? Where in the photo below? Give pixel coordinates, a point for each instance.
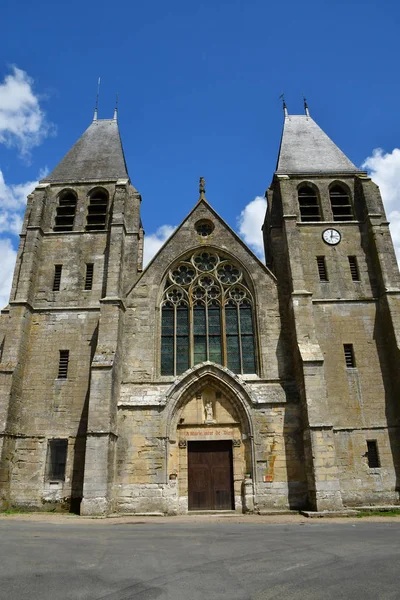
(306, 106)
(202, 188)
(285, 110)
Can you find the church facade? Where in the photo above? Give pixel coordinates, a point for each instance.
(209, 380)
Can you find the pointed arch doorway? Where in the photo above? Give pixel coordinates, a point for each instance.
(210, 439)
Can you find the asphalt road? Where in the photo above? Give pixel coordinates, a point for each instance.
(201, 560)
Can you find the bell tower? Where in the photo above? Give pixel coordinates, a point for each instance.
(81, 246)
(327, 240)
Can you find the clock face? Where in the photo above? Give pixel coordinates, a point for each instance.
(331, 236)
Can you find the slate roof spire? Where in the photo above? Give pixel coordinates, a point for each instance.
(306, 149)
(97, 156)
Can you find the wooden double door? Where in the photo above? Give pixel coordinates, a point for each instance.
(210, 475)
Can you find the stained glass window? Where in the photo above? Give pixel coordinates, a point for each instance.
(207, 315)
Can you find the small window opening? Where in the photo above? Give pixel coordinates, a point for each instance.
(340, 203)
(373, 455)
(57, 278)
(63, 364)
(349, 356)
(56, 459)
(97, 211)
(308, 203)
(355, 275)
(323, 273)
(204, 227)
(65, 212)
(89, 276)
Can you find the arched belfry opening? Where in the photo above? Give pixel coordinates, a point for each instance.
(210, 440)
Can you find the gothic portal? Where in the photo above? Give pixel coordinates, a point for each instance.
(209, 380)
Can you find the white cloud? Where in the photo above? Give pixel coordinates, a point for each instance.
(12, 204)
(8, 256)
(22, 121)
(384, 168)
(249, 224)
(154, 241)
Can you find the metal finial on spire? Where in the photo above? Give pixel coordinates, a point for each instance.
(306, 106)
(97, 101)
(116, 108)
(202, 188)
(285, 110)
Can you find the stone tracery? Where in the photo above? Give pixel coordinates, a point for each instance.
(207, 315)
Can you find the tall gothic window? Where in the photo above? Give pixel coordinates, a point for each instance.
(207, 314)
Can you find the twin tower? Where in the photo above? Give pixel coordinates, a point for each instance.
(208, 380)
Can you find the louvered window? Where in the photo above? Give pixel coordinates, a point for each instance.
(373, 455)
(97, 211)
(322, 272)
(349, 356)
(355, 275)
(63, 364)
(309, 204)
(65, 212)
(342, 209)
(207, 314)
(56, 459)
(89, 276)
(57, 278)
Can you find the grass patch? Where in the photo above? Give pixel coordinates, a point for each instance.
(379, 513)
(12, 511)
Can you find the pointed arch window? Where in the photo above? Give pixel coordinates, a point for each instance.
(207, 314)
(309, 204)
(66, 209)
(342, 209)
(97, 210)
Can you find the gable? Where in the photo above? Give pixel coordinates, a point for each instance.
(186, 239)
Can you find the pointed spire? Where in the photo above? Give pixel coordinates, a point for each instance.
(306, 149)
(285, 110)
(116, 108)
(306, 106)
(96, 156)
(96, 110)
(202, 188)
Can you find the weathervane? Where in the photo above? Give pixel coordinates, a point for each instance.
(282, 97)
(306, 106)
(97, 101)
(116, 107)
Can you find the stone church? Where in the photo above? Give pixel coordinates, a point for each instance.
(208, 380)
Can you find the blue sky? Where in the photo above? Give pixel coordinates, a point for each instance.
(199, 86)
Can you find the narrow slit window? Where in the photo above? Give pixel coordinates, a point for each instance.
(97, 211)
(322, 272)
(309, 204)
(355, 274)
(89, 276)
(57, 278)
(65, 214)
(63, 364)
(373, 455)
(349, 356)
(342, 209)
(56, 459)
